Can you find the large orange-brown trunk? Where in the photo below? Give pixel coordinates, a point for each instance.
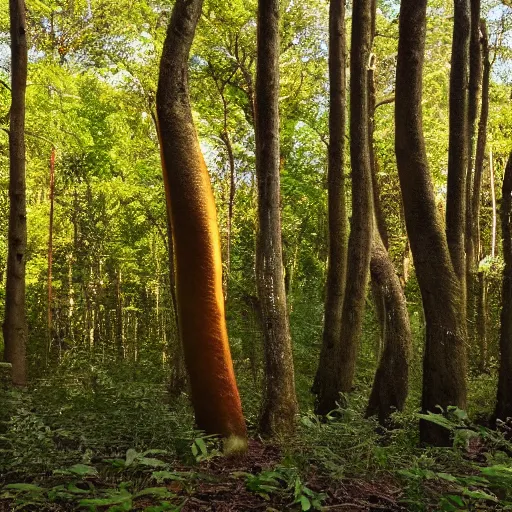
(196, 238)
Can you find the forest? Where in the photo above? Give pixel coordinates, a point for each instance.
(256, 255)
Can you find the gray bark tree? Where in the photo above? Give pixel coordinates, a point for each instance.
(279, 405)
(391, 381)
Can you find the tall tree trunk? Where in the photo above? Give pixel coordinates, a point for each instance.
(120, 346)
(191, 207)
(481, 143)
(481, 285)
(50, 250)
(444, 366)
(325, 385)
(279, 401)
(504, 402)
(458, 139)
(392, 377)
(361, 226)
(15, 329)
(178, 377)
(475, 78)
(493, 199)
(231, 200)
(481, 322)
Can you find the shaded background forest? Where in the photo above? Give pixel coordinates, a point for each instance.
(92, 81)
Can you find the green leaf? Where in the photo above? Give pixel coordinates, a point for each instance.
(131, 455)
(438, 419)
(76, 490)
(117, 499)
(83, 470)
(447, 477)
(479, 495)
(305, 503)
(25, 487)
(159, 492)
(153, 463)
(162, 476)
(202, 446)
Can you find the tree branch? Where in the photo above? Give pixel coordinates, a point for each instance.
(384, 101)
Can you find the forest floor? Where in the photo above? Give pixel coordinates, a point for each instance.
(82, 440)
(219, 484)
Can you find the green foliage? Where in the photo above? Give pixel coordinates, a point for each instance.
(98, 429)
(284, 481)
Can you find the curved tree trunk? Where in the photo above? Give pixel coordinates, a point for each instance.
(325, 386)
(279, 401)
(15, 329)
(360, 239)
(390, 386)
(444, 365)
(391, 381)
(504, 402)
(191, 207)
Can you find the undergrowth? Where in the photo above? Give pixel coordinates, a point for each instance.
(91, 437)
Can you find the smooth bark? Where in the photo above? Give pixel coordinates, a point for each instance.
(444, 365)
(279, 405)
(15, 329)
(191, 207)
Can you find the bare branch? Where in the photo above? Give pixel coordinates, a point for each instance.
(384, 101)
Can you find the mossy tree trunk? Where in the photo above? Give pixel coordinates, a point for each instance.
(360, 238)
(325, 386)
(191, 207)
(444, 365)
(481, 283)
(458, 140)
(391, 381)
(390, 385)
